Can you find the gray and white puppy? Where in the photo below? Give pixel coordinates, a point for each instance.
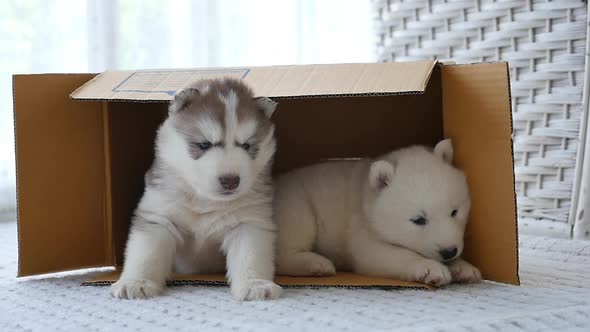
(208, 195)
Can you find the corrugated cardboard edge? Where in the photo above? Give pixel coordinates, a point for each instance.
(513, 174)
(427, 78)
(18, 271)
(341, 280)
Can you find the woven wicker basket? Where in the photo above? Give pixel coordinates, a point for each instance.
(545, 44)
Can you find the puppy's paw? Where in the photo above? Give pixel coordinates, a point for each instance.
(432, 272)
(321, 266)
(462, 271)
(305, 264)
(132, 289)
(256, 289)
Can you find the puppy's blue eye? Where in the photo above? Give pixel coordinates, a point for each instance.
(454, 213)
(204, 145)
(419, 220)
(245, 146)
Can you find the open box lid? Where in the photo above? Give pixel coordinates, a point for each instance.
(278, 81)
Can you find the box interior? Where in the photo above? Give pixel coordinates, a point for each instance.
(308, 130)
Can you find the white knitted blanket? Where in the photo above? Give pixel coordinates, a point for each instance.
(555, 295)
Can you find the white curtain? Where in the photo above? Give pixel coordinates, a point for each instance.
(38, 36)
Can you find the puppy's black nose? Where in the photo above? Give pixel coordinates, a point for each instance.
(229, 182)
(448, 253)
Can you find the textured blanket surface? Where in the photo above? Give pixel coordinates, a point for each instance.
(555, 295)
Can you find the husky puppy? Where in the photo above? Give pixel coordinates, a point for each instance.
(208, 195)
(400, 216)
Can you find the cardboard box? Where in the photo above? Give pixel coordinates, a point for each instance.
(84, 142)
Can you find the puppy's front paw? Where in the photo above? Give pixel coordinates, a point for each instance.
(321, 266)
(462, 271)
(135, 289)
(432, 272)
(256, 289)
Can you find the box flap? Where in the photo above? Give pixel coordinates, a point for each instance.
(477, 117)
(61, 176)
(342, 279)
(279, 81)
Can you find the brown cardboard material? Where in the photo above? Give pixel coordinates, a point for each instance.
(277, 81)
(477, 118)
(81, 160)
(61, 170)
(342, 279)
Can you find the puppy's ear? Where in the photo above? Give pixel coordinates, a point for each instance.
(266, 105)
(182, 100)
(444, 150)
(380, 174)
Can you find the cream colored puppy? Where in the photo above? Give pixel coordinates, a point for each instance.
(400, 216)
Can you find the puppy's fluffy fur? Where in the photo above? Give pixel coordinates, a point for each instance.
(208, 195)
(401, 216)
